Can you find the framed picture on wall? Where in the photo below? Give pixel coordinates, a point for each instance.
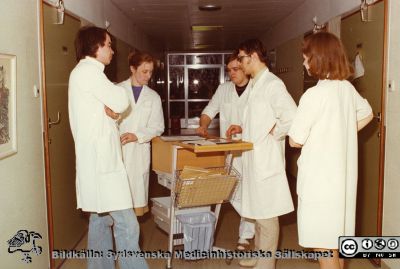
(8, 119)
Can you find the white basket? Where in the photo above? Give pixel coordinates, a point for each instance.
(161, 211)
(206, 191)
(198, 232)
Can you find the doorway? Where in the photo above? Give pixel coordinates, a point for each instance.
(367, 39)
(68, 224)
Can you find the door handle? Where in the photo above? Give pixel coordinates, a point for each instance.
(55, 122)
(378, 116)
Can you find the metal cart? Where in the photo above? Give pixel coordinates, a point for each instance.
(192, 197)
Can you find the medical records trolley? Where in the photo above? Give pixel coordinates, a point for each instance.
(191, 196)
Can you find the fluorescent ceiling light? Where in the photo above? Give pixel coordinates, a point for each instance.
(209, 7)
(202, 28)
(203, 46)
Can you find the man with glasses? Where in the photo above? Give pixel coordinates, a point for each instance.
(266, 116)
(225, 102)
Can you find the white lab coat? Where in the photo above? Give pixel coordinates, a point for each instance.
(326, 126)
(101, 180)
(145, 120)
(226, 101)
(267, 103)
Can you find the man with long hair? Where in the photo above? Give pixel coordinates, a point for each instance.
(102, 186)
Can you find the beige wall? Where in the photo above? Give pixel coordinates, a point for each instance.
(288, 55)
(118, 70)
(121, 59)
(391, 211)
(22, 185)
(98, 12)
(300, 20)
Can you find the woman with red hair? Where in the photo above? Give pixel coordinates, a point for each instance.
(328, 118)
(141, 122)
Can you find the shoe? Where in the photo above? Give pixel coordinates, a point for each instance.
(242, 245)
(248, 263)
(245, 244)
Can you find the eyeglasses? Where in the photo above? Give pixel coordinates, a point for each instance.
(240, 57)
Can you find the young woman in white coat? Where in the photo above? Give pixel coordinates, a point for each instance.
(325, 127)
(141, 122)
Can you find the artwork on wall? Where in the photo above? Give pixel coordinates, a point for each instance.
(8, 129)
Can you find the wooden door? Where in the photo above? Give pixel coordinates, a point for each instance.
(68, 224)
(368, 39)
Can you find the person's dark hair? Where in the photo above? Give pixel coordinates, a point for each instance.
(136, 58)
(254, 45)
(327, 57)
(231, 57)
(88, 40)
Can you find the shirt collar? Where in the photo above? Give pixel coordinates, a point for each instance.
(95, 62)
(137, 87)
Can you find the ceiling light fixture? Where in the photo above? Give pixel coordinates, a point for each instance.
(209, 7)
(202, 46)
(202, 28)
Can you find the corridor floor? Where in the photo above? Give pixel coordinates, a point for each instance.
(153, 238)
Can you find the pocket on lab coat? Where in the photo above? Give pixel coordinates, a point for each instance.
(145, 115)
(261, 121)
(108, 153)
(268, 158)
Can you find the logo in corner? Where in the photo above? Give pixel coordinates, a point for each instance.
(348, 247)
(25, 242)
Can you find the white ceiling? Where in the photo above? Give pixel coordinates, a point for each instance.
(168, 22)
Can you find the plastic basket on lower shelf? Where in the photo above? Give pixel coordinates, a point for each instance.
(198, 233)
(162, 215)
(212, 189)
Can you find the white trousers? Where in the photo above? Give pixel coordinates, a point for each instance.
(247, 228)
